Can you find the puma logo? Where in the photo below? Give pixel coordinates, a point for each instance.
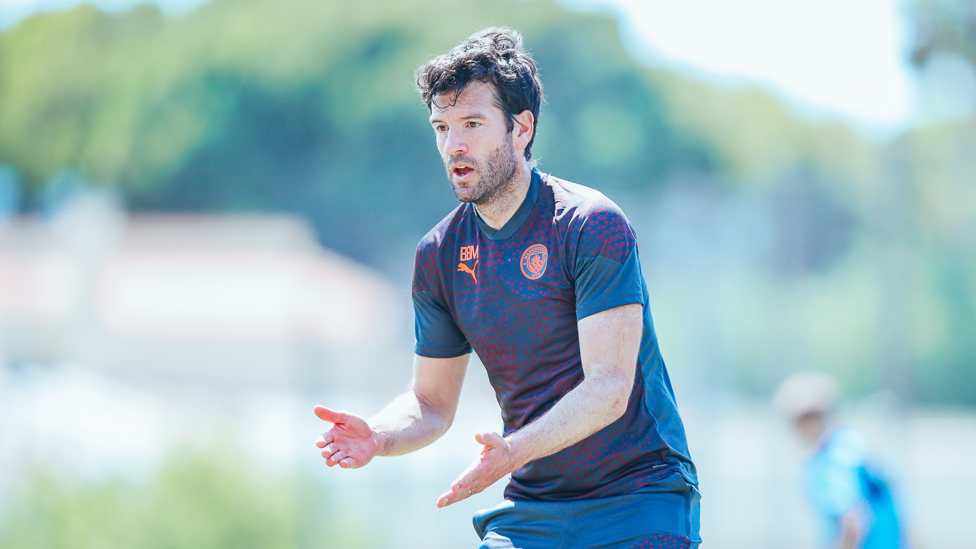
(467, 254)
(465, 269)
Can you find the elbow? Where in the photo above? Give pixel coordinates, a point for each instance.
(438, 418)
(608, 394)
(446, 423)
(619, 398)
(619, 409)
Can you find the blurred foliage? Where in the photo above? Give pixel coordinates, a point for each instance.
(196, 500)
(863, 267)
(308, 107)
(943, 25)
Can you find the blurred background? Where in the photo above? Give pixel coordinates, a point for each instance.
(208, 213)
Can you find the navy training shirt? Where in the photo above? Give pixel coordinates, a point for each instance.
(515, 296)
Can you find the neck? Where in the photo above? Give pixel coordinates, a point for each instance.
(502, 207)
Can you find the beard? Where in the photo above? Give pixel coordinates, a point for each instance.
(495, 175)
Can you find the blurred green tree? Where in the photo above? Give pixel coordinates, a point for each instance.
(196, 500)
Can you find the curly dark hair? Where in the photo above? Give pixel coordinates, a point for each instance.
(493, 56)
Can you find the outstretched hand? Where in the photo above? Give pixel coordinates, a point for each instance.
(349, 443)
(497, 459)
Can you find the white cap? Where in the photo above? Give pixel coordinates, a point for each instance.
(806, 392)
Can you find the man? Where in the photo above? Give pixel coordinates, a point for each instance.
(541, 278)
(851, 495)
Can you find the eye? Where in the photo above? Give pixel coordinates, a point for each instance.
(473, 124)
(440, 127)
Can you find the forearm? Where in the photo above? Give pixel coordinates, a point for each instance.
(408, 423)
(596, 402)
(609, 343)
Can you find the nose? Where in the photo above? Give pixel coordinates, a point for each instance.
(454, 143)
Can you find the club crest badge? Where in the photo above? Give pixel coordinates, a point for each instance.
(534, 261)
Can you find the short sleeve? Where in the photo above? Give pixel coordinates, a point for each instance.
(607, 267)
(438, 336)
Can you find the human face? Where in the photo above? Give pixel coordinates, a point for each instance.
(475, 144)
(811, 426)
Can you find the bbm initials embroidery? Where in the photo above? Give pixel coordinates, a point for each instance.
(467, 254)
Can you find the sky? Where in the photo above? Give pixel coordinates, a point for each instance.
(825, 58)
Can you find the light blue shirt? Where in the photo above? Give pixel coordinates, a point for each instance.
(839, 479)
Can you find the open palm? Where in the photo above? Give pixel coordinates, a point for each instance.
(349, 443)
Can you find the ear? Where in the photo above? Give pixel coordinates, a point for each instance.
(523, 130)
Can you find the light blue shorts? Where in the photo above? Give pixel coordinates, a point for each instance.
(663, 515)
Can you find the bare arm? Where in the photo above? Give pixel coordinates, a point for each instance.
(609, 343)
(413, 420)
(852, 528)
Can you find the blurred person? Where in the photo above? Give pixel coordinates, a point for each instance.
(542, 279)
(852, 496)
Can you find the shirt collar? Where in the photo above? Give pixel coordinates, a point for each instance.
(521, 214)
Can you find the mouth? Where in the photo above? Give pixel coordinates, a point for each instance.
(461, 171)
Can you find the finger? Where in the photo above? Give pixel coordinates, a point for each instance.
(444, 500)
(329, 452)
(448, 498)
(462, 481)
(490, 439)
(468, 476)
(331, 416)
(466, 482)
(348, 463)
(454, 496)
(335, 458)
(324, 439)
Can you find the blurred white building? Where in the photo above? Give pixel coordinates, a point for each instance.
(238, 299)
